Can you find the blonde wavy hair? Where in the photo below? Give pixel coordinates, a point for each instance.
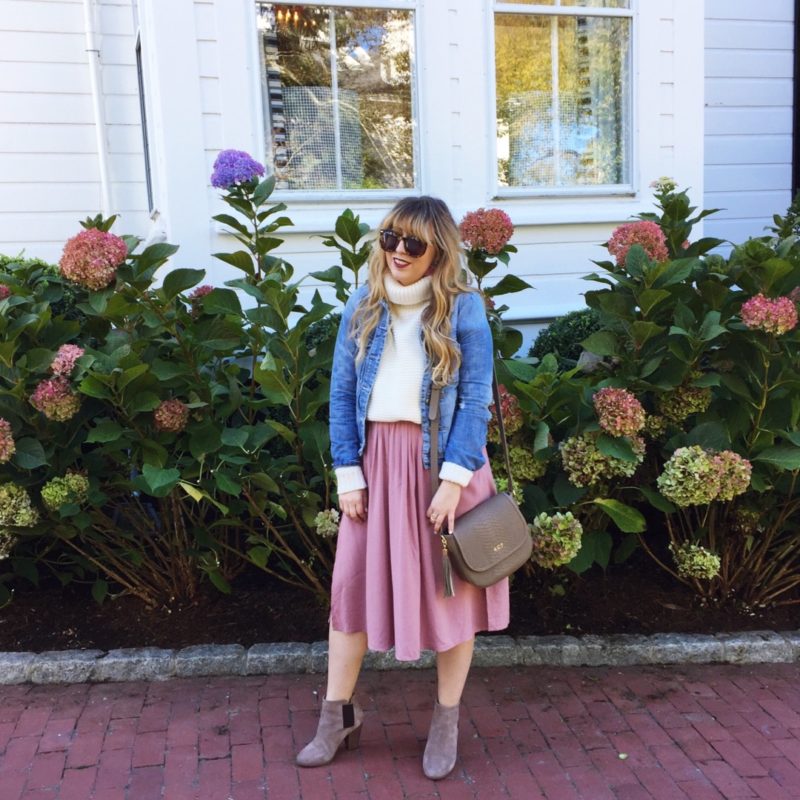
(430, 220)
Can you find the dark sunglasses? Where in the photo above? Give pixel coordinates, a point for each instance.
(389, 240)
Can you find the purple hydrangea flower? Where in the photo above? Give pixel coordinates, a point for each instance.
(232, 167)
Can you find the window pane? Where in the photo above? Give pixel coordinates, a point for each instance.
(563, 108)
(338, 88)
(597, 3)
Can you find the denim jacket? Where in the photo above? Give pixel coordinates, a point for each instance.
(464, 403)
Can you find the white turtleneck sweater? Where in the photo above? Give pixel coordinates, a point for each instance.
(396, 393)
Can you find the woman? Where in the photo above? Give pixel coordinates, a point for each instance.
(415, 323)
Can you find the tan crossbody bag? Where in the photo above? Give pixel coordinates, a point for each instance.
(491, 540)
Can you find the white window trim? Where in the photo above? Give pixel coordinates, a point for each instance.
(500, 193)
(330, 197)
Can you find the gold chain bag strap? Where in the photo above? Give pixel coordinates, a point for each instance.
(491, 540)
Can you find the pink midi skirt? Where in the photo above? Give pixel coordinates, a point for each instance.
(387, 575)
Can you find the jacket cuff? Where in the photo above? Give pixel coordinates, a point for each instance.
(348, 479)
(451, 471)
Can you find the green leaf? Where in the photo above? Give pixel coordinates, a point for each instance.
(92, 387)
(710, 435)
(204, 439)
(159, 480)
(625, 549)
(657, 500)
(99, 590)
(240, 259)
(264, 189)
(508, 284)
(642, 331)
(565, 493)
(143, 401)
(106, 430)
(131, 374)
(711, 329)
(167, 370)
(179, 280)
(259, 556)
(226, 483)
(650, 298)
(595, 549)
(626, 518)
(234, 437)
(219, 581)
(222, 301)
(542, 439)
(601, 343)
(616, 447)
(783, 456)
(29, 454)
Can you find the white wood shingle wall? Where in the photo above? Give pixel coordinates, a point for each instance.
(748, 115)
(49, 175)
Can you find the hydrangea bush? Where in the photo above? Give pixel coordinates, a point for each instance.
(698, 354)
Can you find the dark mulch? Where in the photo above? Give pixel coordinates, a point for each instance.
(634, 597)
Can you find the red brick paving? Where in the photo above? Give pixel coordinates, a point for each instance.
(701, 732)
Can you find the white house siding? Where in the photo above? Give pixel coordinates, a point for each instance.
(49, 174)
(748, 143)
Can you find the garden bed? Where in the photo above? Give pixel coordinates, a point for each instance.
(634, 597)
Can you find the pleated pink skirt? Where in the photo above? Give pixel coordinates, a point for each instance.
(387, 575)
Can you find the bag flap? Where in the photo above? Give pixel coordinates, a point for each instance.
(491, 532)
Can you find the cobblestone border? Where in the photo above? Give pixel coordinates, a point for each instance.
(151, 663)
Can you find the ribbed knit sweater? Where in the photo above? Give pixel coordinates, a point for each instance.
(398, 384)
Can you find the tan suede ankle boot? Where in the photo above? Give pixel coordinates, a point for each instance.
(441, 748)
(339, 721)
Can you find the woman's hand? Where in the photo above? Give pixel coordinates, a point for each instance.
(354, 504)
(443, 506)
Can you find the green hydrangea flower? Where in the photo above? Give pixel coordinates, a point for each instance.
(72, 488)
(327, 523)
(6, 543)
(556, 539)
(586, 465)
(683, 401)
(690, 477)
(524, 465)
(655, 426)
(502, 486)
(695, 561)
(15, 507)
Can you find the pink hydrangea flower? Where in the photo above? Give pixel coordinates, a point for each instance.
(4, 291)
(486, 229)
(512, 415)
(645, 233)
(734, 474)
(171, 416)
(201, 291)
(618, 412)
(65, 359)
(7, 446)
(91, 258)
(794, 295)
(55, 399)
(776, 316)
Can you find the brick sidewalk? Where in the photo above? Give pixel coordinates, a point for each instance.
(698, 732)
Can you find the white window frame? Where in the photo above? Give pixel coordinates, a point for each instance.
(498, 192)
(334, 196)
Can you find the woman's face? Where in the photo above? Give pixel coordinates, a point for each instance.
(405, 268)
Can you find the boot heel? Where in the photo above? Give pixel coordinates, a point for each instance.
(353, 738)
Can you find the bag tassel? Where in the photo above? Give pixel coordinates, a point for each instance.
(447, 569)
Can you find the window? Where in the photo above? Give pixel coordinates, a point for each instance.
(338, 96)
(563, 94)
